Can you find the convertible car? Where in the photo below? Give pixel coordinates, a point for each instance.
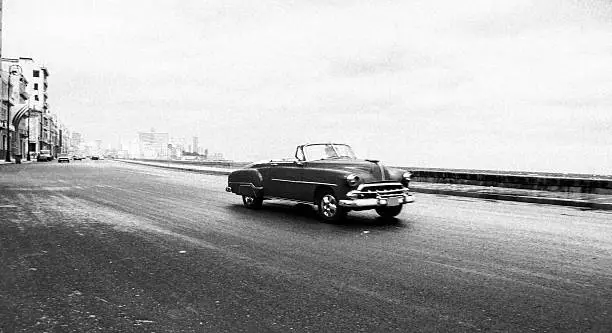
(327, 175)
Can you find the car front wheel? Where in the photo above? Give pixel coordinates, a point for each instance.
(252, 202)
(329, 208)
(389, 212)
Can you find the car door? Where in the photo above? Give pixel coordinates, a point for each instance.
(283, 180)
(314, 175)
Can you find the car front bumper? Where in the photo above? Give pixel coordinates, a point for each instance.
(377, 202)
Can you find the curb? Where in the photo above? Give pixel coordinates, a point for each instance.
(208, 172)
(13, 163)
(478, 195)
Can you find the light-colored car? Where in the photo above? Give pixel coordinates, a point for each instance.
(327, 175)
(63, 158)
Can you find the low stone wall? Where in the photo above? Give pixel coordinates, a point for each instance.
(545, 183)
(220, 164)
(574, 183)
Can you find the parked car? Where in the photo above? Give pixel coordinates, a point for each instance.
(328, 176)
(77, 157)
(44, 155)
(95, 157)
(63, 158)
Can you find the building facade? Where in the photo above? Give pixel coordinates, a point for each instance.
(43, 124)
(37, 127)
(153, 145)
(14, 108)
(195, 145)
(76, 142)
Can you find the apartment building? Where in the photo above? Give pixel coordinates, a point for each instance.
(38, 128)
(153, 145)
(43, 125)
(14, 96)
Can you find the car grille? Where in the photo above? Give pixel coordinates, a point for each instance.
(374, 190)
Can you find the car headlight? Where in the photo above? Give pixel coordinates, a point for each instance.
(352, 180)
(406, 178)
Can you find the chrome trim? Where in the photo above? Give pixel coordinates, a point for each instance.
(381, 192)
(362, 186)
(374, 202)
(244, 183)
(292, 200)
(329, 205)
(302, 182)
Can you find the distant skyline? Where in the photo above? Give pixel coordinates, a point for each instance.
(506, 85)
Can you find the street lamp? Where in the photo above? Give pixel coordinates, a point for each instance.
(8, 112)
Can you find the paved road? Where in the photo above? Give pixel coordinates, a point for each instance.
(99, 245)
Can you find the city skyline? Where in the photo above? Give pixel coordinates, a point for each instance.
(512, 85)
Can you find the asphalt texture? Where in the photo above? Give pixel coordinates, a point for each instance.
(106, 246)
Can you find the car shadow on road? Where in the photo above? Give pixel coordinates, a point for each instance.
(308, 214)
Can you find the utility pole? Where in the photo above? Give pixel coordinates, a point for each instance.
(7, 158)
(8, 142)
(0, 29)
(28, 144)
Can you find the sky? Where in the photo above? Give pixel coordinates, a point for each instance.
(501, 85)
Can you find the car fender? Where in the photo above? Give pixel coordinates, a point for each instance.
(395, 174)
(246, 182)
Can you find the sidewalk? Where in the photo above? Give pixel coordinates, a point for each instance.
(585, 200)
(3, 162)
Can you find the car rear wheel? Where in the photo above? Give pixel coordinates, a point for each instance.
(252, 202)
(389, 212)
(329, 208)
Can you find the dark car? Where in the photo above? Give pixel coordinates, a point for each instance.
(63, 158)
(44, 155)
(329, 176)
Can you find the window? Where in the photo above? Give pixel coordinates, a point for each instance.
(36, 73)
(35, 97)
(327, 151)
(299, 154)
(35, 86)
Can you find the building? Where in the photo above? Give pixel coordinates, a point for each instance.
(76, 140)
(65, 140)
(14, 108)
(194, 147)
(153, 145)
(44, 133)
(39, 128)
(178, 146)
(54, 130)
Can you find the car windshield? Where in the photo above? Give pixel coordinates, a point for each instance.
(328, 151)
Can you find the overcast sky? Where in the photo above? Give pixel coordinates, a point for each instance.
(511, 85)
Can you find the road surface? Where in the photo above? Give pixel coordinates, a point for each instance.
(107, 246)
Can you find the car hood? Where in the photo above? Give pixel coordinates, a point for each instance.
(368, 170)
